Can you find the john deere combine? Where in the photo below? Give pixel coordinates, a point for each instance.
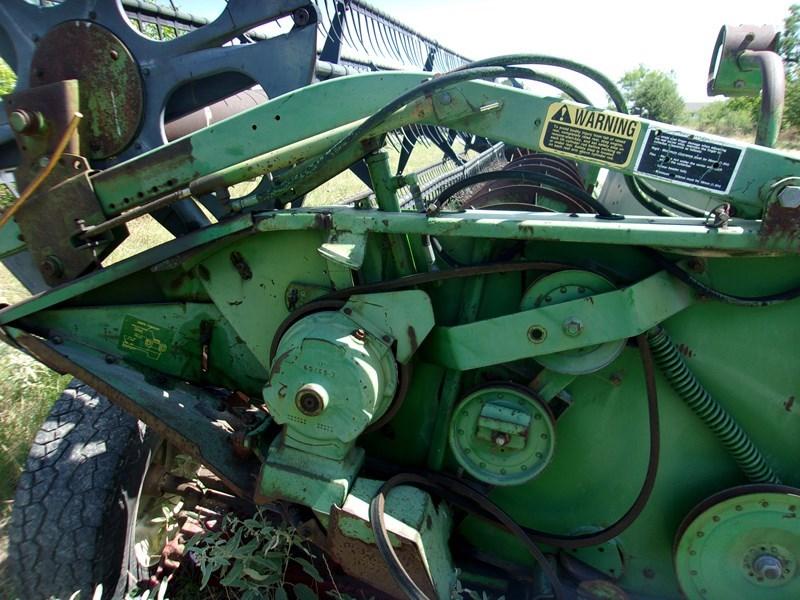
(564, 366)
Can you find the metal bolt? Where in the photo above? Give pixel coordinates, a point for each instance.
(301, 17)
(311, 399)
(360, 334)
(22, 121)
(768, 566)
(44, 161)
(573, 327)
(445, 98)
(114, 55)
(500, 438)
(789, 197)
(52, 267)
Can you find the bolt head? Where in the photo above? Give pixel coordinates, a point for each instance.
(768, 566)
(500, 438)
(789, 197)
(52, 267)
(445, 98)
(301, 17)
(573, 327)
(22, 121)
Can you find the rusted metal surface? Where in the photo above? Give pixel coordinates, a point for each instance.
(70, 205)
(111, 88)
(780, 222)
(53, 106)
(363, 561)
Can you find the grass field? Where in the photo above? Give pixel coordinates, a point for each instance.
(28, 388)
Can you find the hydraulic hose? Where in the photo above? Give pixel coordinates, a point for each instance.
(426, 88)
(719, 421)
(647, 196)
(750, 301)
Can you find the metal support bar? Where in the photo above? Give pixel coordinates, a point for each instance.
(605, 317)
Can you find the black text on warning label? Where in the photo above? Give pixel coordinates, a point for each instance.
(689, 160)
(592, 135)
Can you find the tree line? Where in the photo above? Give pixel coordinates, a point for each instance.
(654, 95)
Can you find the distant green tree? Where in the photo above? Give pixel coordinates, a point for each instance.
(790, 51)
(652, 94)
(7, 78)
(790, 42)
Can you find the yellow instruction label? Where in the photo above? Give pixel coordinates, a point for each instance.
(599, 136)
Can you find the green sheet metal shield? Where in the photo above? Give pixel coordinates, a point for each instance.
(741, 543)
(502, 435)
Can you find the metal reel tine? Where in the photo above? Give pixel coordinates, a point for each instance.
(359, 33)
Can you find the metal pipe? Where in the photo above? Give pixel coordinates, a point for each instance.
(773, 90)
(134, 213)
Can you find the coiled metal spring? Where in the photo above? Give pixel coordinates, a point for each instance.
(719, 421)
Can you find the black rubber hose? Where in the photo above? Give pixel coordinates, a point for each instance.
(428, 87)
(642, 192)
(396, 569)
(554, 182)
(700, 287)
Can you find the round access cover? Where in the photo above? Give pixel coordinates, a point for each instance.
(502, 435)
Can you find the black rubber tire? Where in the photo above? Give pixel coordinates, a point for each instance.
(75, 507)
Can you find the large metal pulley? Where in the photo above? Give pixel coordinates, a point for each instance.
(563, 286)
(741, 543)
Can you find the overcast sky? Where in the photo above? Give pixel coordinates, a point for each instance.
(613, 36)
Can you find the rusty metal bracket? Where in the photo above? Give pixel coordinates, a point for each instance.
(782, 213)
(52, 220)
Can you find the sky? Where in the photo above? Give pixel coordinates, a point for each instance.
(614, 36)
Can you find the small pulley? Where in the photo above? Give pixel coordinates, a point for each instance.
(502, 434)
(741, 543)
(563, 286)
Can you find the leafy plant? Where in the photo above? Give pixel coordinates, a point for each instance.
(251, 557)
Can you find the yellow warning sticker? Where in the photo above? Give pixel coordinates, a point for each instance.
(598, 136)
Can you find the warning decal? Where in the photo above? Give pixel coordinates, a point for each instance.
(689, 160)
(597, 136)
